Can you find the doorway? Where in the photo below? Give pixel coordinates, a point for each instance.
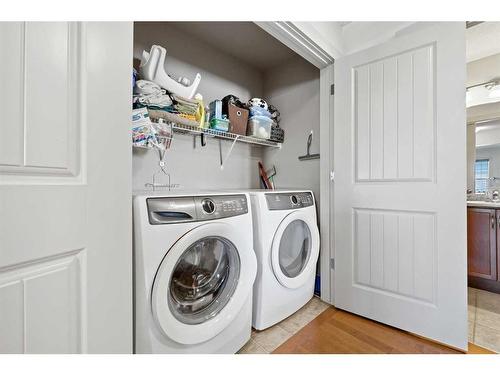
(483, 183)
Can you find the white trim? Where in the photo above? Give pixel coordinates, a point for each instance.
(325, 184)
(295, 39)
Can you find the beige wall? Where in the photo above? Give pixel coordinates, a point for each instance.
(293, 87)
(190, 165)
(483, 70)
(294, 90)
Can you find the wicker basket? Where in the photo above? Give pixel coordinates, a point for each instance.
(277, 134)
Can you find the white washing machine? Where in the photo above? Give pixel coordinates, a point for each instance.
(286, 242)
(194, 267)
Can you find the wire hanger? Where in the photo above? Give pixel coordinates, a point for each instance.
(162, 143)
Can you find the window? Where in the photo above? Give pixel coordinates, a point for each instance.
(482, 171)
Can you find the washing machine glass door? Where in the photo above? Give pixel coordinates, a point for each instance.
(202, 283)
(204, 279)
(295, 250)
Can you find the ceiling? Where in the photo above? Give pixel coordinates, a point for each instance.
(483, 40)
(242, 40)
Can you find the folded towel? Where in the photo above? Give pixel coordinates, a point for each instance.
(149, 93)
(172, 117)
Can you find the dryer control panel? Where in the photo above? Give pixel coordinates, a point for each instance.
(289, 201)
(170, 210)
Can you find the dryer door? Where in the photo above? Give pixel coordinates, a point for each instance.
(202, 283)
(295, 249)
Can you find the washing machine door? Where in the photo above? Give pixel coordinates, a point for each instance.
(295, 249)
(202, 283)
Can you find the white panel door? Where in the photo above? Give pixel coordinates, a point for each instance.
(65, 286)
(400, 181)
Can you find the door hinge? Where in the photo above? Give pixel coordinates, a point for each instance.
(332, 89)
(332, 175)
(332, 263)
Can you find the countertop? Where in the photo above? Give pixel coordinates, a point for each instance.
(483, 204)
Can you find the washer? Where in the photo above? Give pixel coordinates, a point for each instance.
(286, 242)
(194, 267)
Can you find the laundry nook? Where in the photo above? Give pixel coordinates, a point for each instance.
(171, 188)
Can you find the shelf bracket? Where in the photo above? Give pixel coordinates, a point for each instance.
(228, 153)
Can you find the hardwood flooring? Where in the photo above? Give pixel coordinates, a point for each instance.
(338, 332)
(264, 342)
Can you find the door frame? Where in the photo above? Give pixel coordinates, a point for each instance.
(291, 35)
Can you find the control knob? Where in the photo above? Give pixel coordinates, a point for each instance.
(208, 206)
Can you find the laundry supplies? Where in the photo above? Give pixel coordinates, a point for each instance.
(258, 102)
(186, 108)
(143, 133)
(218, 121)
(171, 117)
(219, 124)
(260, 122)
(164, 97)
(260, 127)
(237, 113)
(168, 106)
(147, 93)
(259, 111)
(258, 107)
(216, 109)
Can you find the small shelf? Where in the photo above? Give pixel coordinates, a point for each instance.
(187, 129)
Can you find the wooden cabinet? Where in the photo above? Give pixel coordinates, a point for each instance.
(482, 243)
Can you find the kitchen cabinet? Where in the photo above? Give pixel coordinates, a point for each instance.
(483, 245)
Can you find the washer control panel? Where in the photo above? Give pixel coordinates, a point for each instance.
(171, 210)
(220, 206)
(289, 201)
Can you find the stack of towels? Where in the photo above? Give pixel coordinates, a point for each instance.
(167, 106)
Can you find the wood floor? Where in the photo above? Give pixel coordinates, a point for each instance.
(338, 332)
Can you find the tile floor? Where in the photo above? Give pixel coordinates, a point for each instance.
(484, 319)
(266, 341)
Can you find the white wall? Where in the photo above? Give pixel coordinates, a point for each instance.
(294, 90)
(357, 36)
(197, 167)
(343, 38)
(327, 35)
(481, 71)
(488, 136)
(109, 215)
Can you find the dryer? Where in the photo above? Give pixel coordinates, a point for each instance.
(286, 242)
(194, 267)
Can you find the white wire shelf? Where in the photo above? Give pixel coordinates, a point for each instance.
(194, 130)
